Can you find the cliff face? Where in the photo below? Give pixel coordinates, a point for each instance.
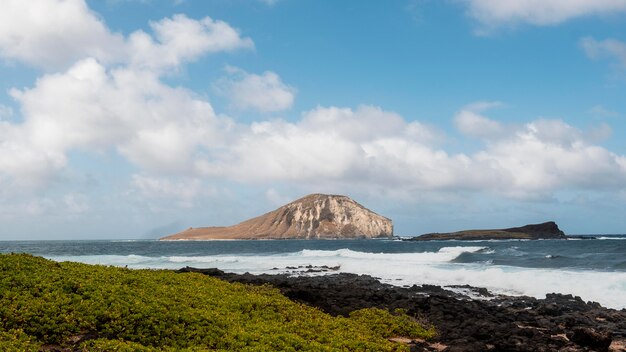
(546, 230)
(311, 217)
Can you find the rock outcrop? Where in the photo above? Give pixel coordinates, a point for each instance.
(316, 216)
(546, 230)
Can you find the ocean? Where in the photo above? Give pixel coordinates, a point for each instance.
(594, 269)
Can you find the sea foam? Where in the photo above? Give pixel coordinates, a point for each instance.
(436, 267)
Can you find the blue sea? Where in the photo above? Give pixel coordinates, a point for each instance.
(594, 269)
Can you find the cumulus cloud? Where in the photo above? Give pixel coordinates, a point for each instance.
(68, 205)
(185, 191)
(22, 163)
(470, 121)
(170, 131)
(180, 39)
(105, 91)
(275, 198)
(369, 146)
(495, 13)
(546, 155)
(327, 143)
(54, 34)
(6, 112)
(247, 91)
(76, 203)
(612, 49)
(91, 108)
(179, 144)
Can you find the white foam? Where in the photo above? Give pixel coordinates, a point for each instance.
(436, 268)
(116, 260)
(444, 254)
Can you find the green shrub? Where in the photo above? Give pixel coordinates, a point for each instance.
(18, 341)
(385, 324)
(98, 308)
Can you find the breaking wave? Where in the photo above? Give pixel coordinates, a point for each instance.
(437, 267)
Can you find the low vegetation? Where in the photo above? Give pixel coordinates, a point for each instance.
(46, 305)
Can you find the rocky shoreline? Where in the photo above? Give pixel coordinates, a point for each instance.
(466, 318)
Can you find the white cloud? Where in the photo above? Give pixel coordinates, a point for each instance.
(6, 112)
(247, 91)
(327, 143)
(56, 33)
(609, 48)
(369, 147)
(494, 13)
(599, 133)
(546, 155)
(275, 198)
(112, 97)
(89, 108)
(365, 124)
(76, 203)
(470, 121)
(64, 206)
(181, 39)
(22, 163)
(185, 192)
(172, 133)
(602, 111)
(120, 105)
(30, 207)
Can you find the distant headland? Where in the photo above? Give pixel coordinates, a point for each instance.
(316, 216)
(546, 230)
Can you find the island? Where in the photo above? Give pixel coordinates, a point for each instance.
(546, 230)
(316, 216)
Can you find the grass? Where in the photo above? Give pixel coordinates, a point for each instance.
(98, 308)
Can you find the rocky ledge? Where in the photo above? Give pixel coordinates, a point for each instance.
(546, 230)
(312, 217)
(464, 322)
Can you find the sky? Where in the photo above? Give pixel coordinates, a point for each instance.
(134, 119)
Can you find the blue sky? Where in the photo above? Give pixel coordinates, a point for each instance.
(135, 119)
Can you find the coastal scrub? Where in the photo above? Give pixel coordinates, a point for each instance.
(99, 308)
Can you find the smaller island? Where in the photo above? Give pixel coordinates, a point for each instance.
(546, 230)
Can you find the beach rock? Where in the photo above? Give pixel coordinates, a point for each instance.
(315, 216)
(546, 230)
(559, 322)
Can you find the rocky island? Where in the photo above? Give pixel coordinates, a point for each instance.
(546, 230)
(316, 216)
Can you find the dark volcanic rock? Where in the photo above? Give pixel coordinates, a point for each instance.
(586, 336)
(546, 230)
(556, 323)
